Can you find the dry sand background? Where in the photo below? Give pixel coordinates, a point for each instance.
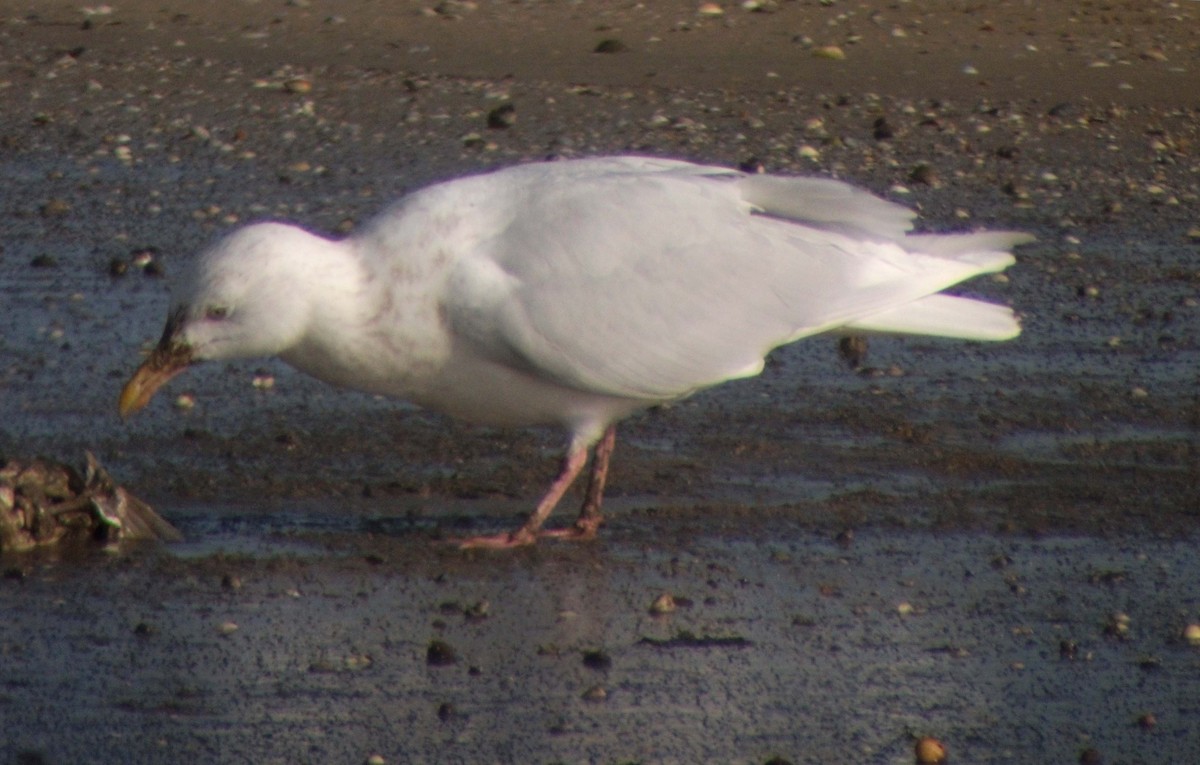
(1007, 502)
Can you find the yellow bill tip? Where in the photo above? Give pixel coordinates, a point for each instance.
(158, 368)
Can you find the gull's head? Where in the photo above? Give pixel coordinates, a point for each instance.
(242, 297)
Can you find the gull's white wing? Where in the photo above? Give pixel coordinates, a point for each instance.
(653, 280)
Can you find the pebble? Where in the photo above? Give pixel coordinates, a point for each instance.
(1118, 625)
(477, 611)
(664, 604)
(853, 350)
(357, 661)
(376, 759)
(882, 130)
(597, 659)
(710, 10)
(1191, 633)
(55, 208)
(610, 45)
(297, 85)
(502, 117)
(1068, 649)
(595, 693)
(929, 751)
(185, 401)
(454, 8)
(830, 52)
(440, 654)
(227, 628)
(924, 174)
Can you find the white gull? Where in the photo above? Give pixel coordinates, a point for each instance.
(573, 294)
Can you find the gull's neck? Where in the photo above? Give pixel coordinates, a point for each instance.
(374, 323)
(331, 278)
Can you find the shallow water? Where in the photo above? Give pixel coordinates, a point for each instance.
(791, 645)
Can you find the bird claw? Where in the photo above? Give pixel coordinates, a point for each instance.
(581, 531)
(504, 541)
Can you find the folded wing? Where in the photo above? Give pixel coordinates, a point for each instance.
(651, 281)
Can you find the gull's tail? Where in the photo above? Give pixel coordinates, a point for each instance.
(947, 315)
(943, 316)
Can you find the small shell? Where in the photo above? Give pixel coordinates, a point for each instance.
(1191, 633)
(595, 693)
(930, 751)
(830, 52)
(664, 604)
(298, 85)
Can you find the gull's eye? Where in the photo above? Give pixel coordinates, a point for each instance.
(216, 312)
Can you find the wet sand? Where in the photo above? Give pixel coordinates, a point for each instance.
(1002, 499)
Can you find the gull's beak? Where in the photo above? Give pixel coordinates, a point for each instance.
(164, 362)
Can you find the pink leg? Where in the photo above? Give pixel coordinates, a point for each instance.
(590, 518)
(528, 533)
